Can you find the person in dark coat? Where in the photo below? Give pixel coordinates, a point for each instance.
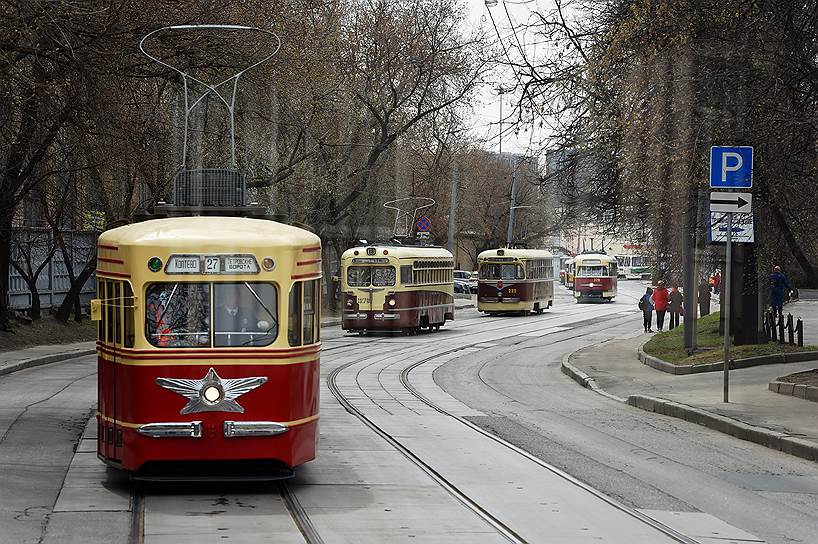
(675, 306)
(646, 305)
(704, 298)
(779, 287)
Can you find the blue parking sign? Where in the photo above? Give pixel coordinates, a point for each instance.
(731, 167)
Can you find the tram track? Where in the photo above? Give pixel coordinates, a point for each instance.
(501, 527)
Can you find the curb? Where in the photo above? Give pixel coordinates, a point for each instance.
(778, 358)
(751, 433)
(582, 378)
(45, 360)
(801, 391)
(743, 431)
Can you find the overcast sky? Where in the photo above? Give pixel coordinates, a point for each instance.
(487, 111)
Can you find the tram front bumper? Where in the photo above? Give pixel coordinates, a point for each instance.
(193, 429)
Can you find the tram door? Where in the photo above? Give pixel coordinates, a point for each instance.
(117, 310)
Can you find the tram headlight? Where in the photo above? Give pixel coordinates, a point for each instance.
(211, 394)
(391, 301)
(349, 302)
(268, 263)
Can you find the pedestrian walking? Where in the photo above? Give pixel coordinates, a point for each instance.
(660, 301)
(717, 281)
(646, 305)
(779, 287)
(704, 298)
(674, 306)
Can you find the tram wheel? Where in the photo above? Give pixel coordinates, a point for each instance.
(361, 333)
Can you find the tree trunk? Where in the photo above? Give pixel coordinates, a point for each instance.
(6, 217)
(795, 247)
(35, 312)
(72, 297)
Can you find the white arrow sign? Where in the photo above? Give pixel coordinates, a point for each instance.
(731, 202)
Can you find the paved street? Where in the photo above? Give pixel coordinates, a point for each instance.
(403, 454)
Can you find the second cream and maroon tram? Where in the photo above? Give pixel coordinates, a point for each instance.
(396, 288)
(515, 281)
(595, 277)
(208, 347)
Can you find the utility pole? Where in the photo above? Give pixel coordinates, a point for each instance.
(726, 285)
(452, 207)
(689, 287)
(510, 233)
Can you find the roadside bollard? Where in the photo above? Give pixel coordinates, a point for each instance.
(772, 326)
(790, 330)
(781, 329)
(799, 330)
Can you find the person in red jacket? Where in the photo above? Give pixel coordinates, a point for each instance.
(660, 302)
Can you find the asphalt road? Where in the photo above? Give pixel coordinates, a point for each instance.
(402, 456)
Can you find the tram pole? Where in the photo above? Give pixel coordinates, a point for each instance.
(510, 233)
(452, 207)
(725, 286)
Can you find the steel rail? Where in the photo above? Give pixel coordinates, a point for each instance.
(464, 499)
(300, 517)
(661, 527)
(136, 531)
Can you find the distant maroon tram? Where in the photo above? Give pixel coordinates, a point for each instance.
(515, 281)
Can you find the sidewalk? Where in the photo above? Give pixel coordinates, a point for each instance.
(754, 413)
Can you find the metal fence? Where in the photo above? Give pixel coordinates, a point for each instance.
(53, 282)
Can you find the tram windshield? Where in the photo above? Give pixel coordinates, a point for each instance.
(595, 271)
(497, 271)
(364, 276)
(178, 314)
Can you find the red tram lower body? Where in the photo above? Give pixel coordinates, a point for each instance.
(603, 288)
(411, 310)
(141, 422)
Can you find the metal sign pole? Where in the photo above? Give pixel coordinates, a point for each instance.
(725, 285)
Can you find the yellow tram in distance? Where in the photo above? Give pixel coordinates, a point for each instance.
(208, 348)
(515, 280)
(396, 288)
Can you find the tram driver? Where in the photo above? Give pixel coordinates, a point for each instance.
(239, 318)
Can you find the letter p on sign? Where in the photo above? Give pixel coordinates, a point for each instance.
(731, 167)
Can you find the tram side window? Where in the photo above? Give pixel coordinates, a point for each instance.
(128, 310)
(117, 304)
(101, 296)
(177, 315)
(294, 317)
(406, 276)
(110, 309)
(309, 310)
(304, 315)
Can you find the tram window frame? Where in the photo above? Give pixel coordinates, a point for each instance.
(101, 292)
(109, 311)
(265, 311)
(407, 274)
(300, 320)
(128, 309)
(207, 318)
(118, 321)
(358, 268)
(294, 313)
(376, 269)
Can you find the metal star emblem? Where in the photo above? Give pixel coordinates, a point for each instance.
(195, 390)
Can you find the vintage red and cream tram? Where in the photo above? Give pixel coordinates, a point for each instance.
(208, 346)
(396, 288)
(515, 280)
(595, 277)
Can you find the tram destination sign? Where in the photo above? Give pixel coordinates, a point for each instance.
(212, 264)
